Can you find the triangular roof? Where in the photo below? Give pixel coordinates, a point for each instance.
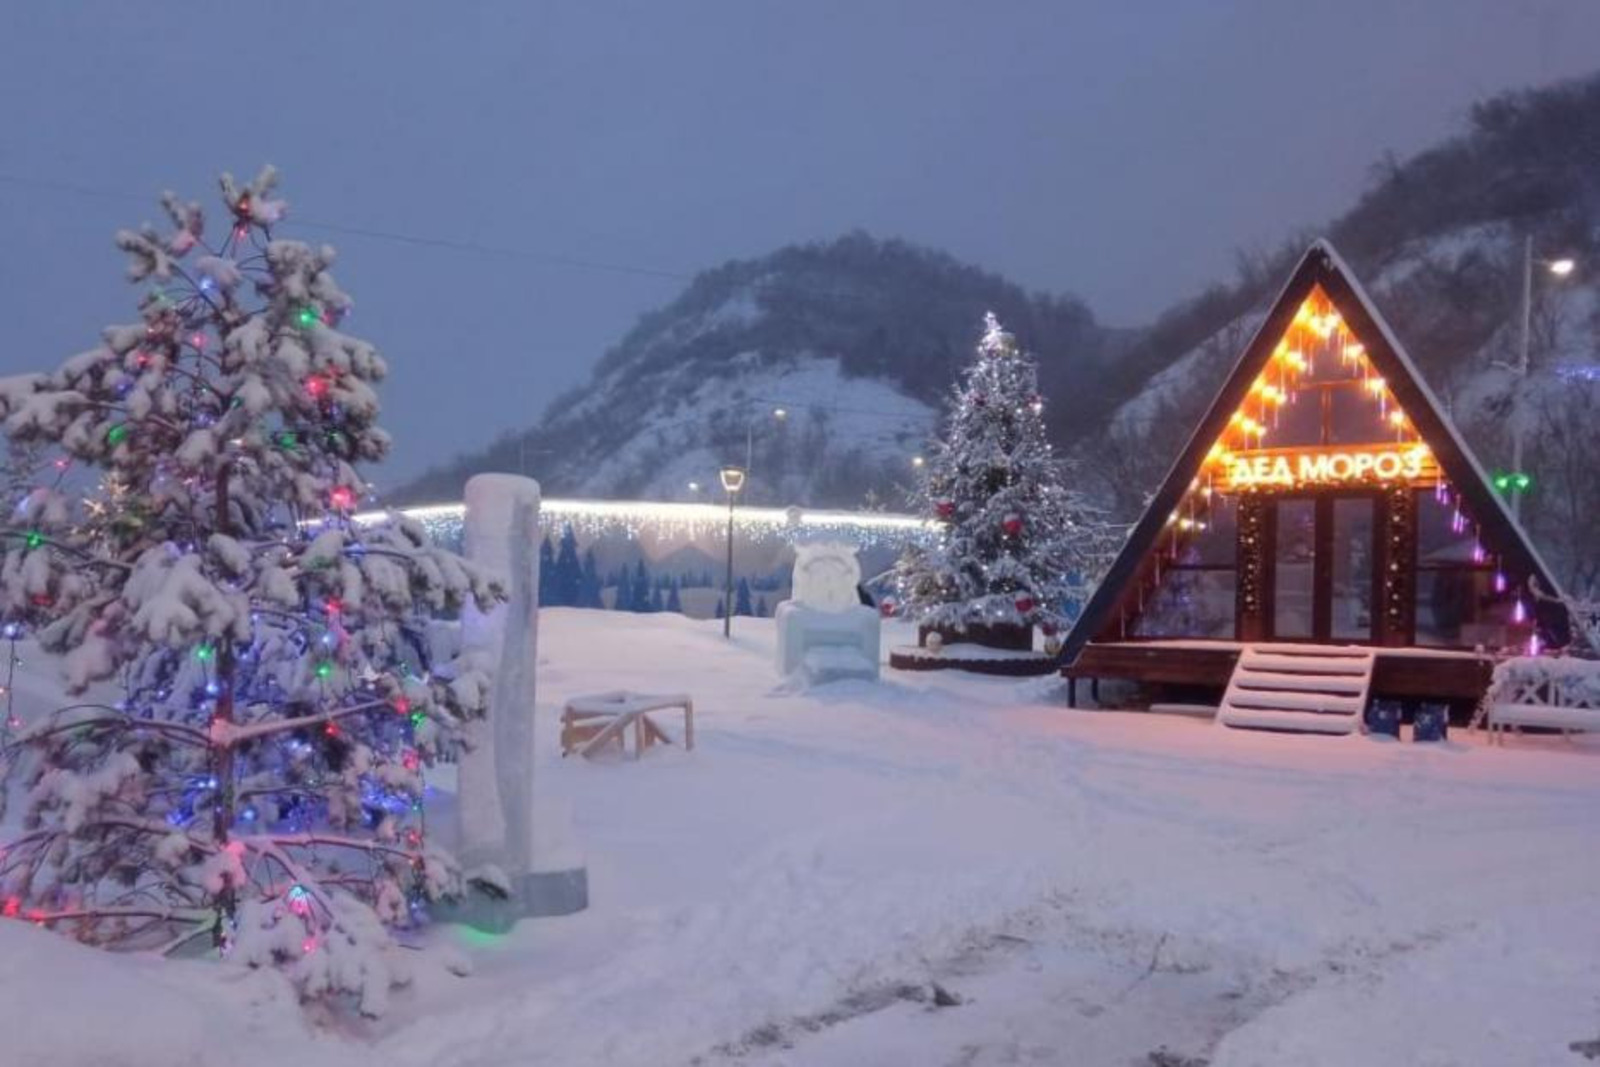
(1322, 267)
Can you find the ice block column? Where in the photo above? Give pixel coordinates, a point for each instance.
(514, 835)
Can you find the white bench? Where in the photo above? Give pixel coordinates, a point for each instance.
(1567, 719)
(590, 724)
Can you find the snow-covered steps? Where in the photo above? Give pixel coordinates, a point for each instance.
(1305, 688)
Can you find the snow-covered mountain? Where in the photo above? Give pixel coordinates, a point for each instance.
(856, 341)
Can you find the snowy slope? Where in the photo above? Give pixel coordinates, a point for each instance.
(1092, 886)
(857, 339)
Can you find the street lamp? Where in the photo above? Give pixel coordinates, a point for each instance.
(1560, 268)
(732, 482)
(917, 461)
(780, 414)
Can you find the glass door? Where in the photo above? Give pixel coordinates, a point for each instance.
(1294, 570)
(1323, 572)
(1350, 587)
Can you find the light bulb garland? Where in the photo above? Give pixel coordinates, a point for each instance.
(1319, 341)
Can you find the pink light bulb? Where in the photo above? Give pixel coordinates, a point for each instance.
(1519, 612)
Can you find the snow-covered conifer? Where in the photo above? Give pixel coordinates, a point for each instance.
(1014, 544)
(243, 771)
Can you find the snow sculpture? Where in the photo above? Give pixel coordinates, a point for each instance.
(824, 631)
(826, 576)
(514, 837)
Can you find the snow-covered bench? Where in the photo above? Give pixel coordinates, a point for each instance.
(1553, 693)
(589, 724)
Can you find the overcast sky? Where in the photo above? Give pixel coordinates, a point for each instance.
(1122, 151)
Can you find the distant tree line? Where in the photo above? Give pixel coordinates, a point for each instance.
(570, 580)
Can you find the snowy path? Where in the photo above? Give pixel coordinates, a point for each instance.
(1092, 886)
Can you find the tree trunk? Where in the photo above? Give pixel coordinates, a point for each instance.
(222, 754)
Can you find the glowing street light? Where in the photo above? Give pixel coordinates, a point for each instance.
(732, 482)
(917, 461)
(1560, 268)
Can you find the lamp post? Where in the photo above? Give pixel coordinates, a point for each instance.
(732, 482)
(1560, 268)
(781, 414)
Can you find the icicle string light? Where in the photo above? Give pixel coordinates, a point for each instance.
(600, 518)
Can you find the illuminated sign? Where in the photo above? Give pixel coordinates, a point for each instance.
(1294, 468)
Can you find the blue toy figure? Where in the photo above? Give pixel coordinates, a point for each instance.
(1383, 717)
(1432, 723)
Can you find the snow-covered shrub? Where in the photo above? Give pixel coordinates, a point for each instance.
(257, 787)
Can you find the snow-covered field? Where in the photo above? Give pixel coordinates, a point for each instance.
(1092, 887)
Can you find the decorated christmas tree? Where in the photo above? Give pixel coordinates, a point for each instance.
(243, 773)
(1013, 543)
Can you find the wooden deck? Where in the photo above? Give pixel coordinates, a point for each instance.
(1401, 673)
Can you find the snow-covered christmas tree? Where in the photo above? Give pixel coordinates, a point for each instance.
(1014, 544)
(243, 773)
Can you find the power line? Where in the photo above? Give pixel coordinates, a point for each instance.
(380, 235)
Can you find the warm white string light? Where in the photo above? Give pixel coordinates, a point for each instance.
(681, 520)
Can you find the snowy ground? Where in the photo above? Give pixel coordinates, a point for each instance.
(1093, 887)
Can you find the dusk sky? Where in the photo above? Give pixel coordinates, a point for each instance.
(595, 155)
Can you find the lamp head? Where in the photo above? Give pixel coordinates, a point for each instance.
(732, 479)
(1561, 267)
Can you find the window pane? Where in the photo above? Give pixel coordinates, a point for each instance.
(1357, 419)
(1438, 539)
(1295, 560)
(1298, 421)
(1352, 568)
(1458, 607)
(1190, 604)
(1214, 541)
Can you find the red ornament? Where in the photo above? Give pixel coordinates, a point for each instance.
(887, 608)
(1049, 628)
(945, 509)
(1012, 525)
(1024, 604)
(341, 498)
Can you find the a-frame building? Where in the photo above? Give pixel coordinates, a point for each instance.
(1325, 502)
